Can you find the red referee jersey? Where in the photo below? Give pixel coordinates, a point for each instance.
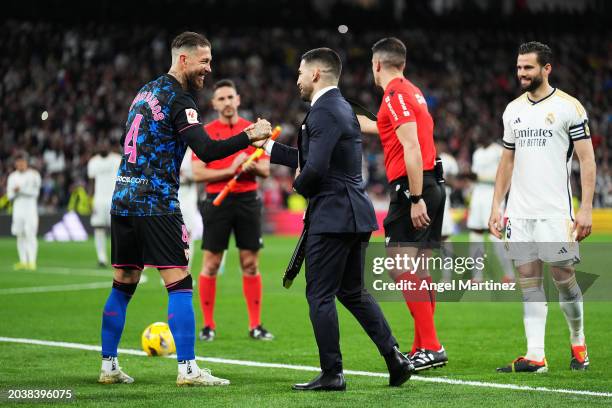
(218, 130)
(402, 103)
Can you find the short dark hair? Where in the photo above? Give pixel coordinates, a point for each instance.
(190, 39)
(328, 57)
(22, 155)
(543, 52)
(394, 50)
(224, 82)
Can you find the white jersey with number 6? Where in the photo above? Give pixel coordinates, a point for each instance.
(542, 134)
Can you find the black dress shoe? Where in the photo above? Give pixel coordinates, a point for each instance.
(323, 382)
(400, 367)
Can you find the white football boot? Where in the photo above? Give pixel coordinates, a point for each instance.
(111, 373)
(198, 377)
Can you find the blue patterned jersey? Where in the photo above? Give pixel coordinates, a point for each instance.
(148, 178)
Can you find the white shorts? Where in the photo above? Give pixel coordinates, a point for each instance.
(448, 225)
(480, 207)
(550, 240)
(100, 216)
(24, 224)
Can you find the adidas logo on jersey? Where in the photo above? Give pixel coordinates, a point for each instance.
(517, 120)
(562, 251)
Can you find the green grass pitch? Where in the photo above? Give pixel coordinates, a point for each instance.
(478, 337)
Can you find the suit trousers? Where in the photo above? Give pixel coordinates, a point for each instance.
(334, 268)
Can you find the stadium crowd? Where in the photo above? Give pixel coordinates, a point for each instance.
(64, 89)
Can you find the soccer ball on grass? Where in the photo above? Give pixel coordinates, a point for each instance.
(157, 340)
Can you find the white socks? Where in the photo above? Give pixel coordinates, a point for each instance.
(100, 240)
(570, 301)
(22, 249)
(188, 368)
(32, 249)
(535, 310)
(110, 364)
(27, 247)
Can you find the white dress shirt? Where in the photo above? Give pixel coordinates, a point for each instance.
(315, 97)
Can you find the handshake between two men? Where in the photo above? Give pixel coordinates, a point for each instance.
(259, 132)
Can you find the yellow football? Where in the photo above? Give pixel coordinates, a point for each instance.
(157, 340)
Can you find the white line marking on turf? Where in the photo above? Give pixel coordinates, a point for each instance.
(58, 270)
(55, 288)
(245, 363)
(62, 288)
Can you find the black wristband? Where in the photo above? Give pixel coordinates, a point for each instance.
(415, 198)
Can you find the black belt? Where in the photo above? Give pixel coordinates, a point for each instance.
(245, 194)
(437, 172)
(404, 179)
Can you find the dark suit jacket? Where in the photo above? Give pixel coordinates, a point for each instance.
(329, 154)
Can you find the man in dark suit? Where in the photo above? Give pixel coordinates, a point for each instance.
(341, 218)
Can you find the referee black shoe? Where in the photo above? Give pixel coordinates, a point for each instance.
(399, 366)
(424, 359)
(207, 334)
(260, 333)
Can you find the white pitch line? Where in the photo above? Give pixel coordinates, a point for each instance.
(246, 363)
(58, 270)
(55, 288)
(62, 288)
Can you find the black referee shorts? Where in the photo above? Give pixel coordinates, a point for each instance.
(398, 223)
(160, 241)
(240, 213)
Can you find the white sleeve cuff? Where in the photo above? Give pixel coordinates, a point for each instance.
(268, 147)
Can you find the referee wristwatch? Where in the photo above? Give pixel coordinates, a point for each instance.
(414, 199)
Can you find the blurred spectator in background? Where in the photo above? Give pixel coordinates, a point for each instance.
(63, 88)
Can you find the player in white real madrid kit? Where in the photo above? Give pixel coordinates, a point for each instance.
(102, 169)
(451, 170)
(23, 187)
(542, 129)
(484, 166)
(188, 199)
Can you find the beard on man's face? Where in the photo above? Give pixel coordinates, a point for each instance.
(305, 93)
(533, 84)
(228, 112)
(194, 82)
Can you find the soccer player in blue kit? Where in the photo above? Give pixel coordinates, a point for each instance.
(147, 228)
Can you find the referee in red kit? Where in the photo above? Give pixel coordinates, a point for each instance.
(416, 209)
(240, 212)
